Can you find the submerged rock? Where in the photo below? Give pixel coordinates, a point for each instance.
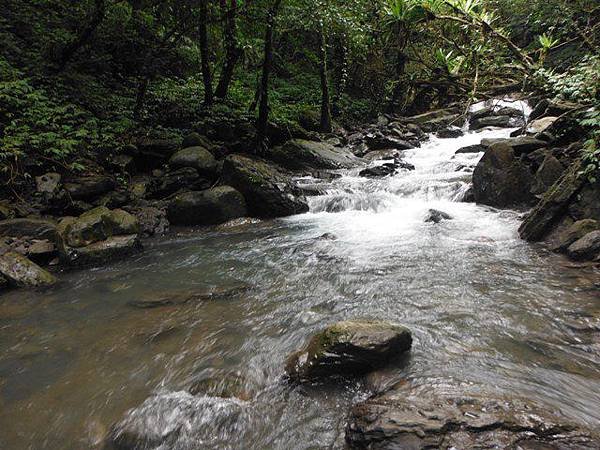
(230, 385)
(437, 216)
(102, 252)
(349, 348)
(209, 207)
(378, 171)
(399, 420)
(21, 272)
(267, 191)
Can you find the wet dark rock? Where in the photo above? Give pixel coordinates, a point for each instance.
(378, 141)
(301, 154)
(548, 173)
(586, 205)
(378, 171)
(208, 207)
(436, 216)
(33, 228)
(153, 153)
(89, 188)
(471, 149)
(267, 191)
(21, 272)
(198, 158)
(40, 251)
(492, 121)
(378, 155)
(195, 140)
(520, 145)
(587, 248)
(185, 178)
(399, 420)
(469, 196)
(500, 179)
(553, 205)
(349, 348)
(152, 220)
(450, 133)
(575, 232)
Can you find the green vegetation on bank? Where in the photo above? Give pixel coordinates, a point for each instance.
(78, 78)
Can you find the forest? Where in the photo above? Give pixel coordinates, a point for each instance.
(299, 224)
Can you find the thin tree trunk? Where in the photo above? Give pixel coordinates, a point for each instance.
(325, 100)
(232, 53)
(263, 107)
(141, 97)
(85, 35)
(204, 56)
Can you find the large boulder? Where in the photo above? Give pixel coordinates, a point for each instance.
(349, 348)
(198, 158)
(209, 207)
(492, 121)
(575, 232)
(21, 272)
(152, 220)
(299, 154)
(500, 179)
(586, 248)
(587, 204)
(268, 192)
(553, 205)
(547, 174)
(184, 178)
(477, 148)
(520, 145)
(429, 420)
(98, 236)
(90, 187)
(33, 228)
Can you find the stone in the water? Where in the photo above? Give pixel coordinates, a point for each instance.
(471, 149)
(575, 232)
(102, 252)
(349, 348)
(399, 420)
(378, 171)
(229, 385)
(436, 216)
(268, 192)
(449, 133)
(21, 272)
(586, 248)
(181, 297)
(209, 207)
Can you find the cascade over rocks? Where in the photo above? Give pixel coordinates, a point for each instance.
(400, 419)
(267, 190)
(209, 207)
(348, 348)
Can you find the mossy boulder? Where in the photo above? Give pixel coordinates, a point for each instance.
(198, 158)
(21, 272)
(96, 225)
(98, 236)
(300, 154)
(349, 348)
(212, 206)
(267, 190)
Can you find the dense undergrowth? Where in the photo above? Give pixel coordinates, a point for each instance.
(66, 94)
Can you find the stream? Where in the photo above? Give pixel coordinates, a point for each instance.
(489, 313)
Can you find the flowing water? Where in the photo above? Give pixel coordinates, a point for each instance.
(489, 313)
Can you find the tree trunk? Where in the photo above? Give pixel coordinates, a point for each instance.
(204, 56)
(325, 101)
(140, 97)
(232, 52)
(85, 35)
(263, 107)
